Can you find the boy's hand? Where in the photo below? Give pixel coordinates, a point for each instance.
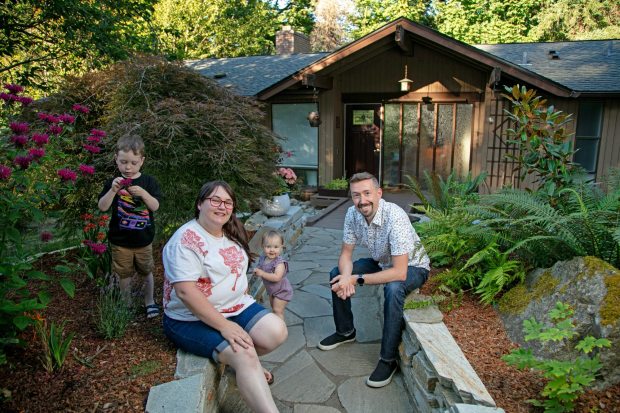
(136, 190)
(116, 184)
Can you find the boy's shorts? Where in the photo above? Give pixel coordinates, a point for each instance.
(127, 261)
(198, 338)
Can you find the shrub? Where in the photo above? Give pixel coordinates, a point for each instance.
(114, 314)
(194, 131)
(566, 378)
(338, 183)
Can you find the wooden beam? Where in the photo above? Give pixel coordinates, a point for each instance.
(320, 82)
(403, 41)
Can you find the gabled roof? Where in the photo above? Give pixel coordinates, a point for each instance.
(591, 66)
(250, 75)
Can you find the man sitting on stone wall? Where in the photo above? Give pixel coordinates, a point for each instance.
(398, 261)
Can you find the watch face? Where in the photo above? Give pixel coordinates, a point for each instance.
(360, 280)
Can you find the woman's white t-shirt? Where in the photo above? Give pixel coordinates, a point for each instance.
(217, 265)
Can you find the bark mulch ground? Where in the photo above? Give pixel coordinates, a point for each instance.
(122, 371)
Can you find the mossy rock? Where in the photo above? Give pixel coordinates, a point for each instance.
(591, 287)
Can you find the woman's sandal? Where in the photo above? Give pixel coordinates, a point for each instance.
(269, 376)
(152, 310)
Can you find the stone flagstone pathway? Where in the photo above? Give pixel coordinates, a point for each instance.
(308, 380)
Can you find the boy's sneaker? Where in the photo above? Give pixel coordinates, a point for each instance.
(335, 340)
(382, 376)
(152, 311)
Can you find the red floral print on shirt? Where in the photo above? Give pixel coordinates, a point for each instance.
(232, 309)
(205, 285)
(193, 241)
(233, 258)
(167, 291)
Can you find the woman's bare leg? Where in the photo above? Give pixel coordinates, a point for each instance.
(268, 333)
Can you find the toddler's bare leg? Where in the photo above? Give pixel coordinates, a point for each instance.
(278, 306)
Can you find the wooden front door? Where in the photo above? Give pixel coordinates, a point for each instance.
(363, 139)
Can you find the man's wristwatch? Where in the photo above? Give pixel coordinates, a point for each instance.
(360, 280)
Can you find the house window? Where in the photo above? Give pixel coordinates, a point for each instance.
(588, 135)
(299, 140)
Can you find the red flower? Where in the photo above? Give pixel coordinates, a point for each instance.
(55, 129)
(97, 132)
(81, 108)
(19, 128)
(46, 236)
(13, 88)
(100, 236)
(40, 139)
(5, 172)
(87, 169)
(36, 153)
(66, 118)
(19, 140)
(48, 117)
(126, 182)
(67, 174)
(94, 139)
(24, 100)
(22, 161)
(92, 148)
(97, 248)
(86, 217)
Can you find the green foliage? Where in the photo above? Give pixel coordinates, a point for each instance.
(113, 315)
(369, 15)
(338, 183)
(543, 145)
(566, 379)
(40, 42)
(445, 195)
(194, 131)
(54, 344)
(95, 254)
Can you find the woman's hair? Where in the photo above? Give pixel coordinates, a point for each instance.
(233, 229)
(272, 234)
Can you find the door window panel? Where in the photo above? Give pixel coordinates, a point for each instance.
(443, 147)
(391, 145)
(462, 139)
(410, 141)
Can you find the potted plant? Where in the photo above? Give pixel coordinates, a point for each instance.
(338, 187)
(280, 200)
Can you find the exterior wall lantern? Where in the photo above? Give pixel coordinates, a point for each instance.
(314, 118)
(405, 83)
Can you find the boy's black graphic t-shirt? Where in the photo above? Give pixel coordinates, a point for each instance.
(131, 222)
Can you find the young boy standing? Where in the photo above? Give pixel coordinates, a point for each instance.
(133, 197)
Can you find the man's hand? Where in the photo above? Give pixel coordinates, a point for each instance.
(343, 286)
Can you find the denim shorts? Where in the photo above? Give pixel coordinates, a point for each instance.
(198, 338)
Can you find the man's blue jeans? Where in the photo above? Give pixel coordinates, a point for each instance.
(394, 294)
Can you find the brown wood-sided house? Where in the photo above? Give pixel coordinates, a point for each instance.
(451, 114)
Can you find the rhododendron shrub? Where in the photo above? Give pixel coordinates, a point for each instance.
(41, 162)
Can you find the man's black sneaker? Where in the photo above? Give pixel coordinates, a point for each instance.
(335, 340)
(382, 376)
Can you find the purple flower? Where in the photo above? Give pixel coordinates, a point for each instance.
(19, 128)
(36, 153)
(19, 140)
(66, 118)
(14, 88)
(40, 139)
(96, 247)
(92, 148)
(8, 97)
(97, 132)
(48, 117)
(5, 172)
(54, 129)
(46, 236)
(24, 100)
(80, 108)
(87, 169)
(67, 174)
(22, 161)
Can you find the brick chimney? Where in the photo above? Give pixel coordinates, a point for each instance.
(290, 42)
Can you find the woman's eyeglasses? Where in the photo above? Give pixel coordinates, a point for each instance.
(216, 202)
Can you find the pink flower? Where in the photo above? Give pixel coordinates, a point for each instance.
(67, 174)
(288, 174)
(46, 236)
(80, 108)
(22, 161)
(40, 139)
(66, 118)
(36, 153)
(87, 169)
(16, 89)
(48, 117)
(19, 140)
(94, 139)
(96, 248)
(24, 100)
(5, 172)
(54, 129)
(92, 148)
(19, 128)
(126, 182)
(97, 132)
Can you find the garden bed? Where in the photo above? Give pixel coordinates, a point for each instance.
(124, 371)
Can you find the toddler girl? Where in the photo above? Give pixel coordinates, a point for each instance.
(272, 268)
